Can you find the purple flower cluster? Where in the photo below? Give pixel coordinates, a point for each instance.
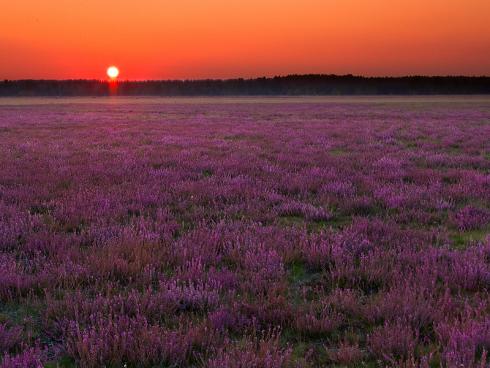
(29, 358)
(9, 337)
(471, 218)
(245, 235)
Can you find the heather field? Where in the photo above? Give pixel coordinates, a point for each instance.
(260, 233)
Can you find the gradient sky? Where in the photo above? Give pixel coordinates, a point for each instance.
(162, 39)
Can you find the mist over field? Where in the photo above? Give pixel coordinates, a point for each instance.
(260, 232)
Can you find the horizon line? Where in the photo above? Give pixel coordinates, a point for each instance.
(358, 76)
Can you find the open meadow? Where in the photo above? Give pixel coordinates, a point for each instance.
(267, 233)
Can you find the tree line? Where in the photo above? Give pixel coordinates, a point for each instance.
(292, 85)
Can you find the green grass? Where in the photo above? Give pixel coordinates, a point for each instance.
(64, 362)
(17, 313)
(462, 239)
(291, 220)
(299, 351)
(409, 144)
(241, 137)
(298, 276)
(454, 149)
(207, 173)
(337, 222)
(297, 272)
(338, 152)
(24, 314)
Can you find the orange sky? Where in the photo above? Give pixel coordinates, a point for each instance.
(162, 39)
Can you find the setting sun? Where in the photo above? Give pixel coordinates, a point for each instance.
(112, 72)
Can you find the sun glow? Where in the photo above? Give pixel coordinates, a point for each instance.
(112, 72)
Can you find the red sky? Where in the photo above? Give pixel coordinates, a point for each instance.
(162, 39)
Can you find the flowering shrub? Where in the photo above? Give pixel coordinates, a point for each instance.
(9, 337)
(174, 234)
(119, 340)
(257, 353)
(393, 341)
(471, 218)
(29, 358)
(346, 354)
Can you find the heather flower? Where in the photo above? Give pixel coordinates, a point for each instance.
(471, 218)
(29, 358)
(318, 323)
(463, 341)
(393, 341)
(259, 353)
(173, 234)
(345, 354)
(9, 337)
(119, 340)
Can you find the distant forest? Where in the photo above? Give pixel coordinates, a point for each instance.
(292, 85)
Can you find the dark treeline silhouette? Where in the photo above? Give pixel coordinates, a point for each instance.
(287, 85)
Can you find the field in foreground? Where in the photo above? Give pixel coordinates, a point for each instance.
(245, 234)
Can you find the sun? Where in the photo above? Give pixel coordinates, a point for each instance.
(112, 72)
